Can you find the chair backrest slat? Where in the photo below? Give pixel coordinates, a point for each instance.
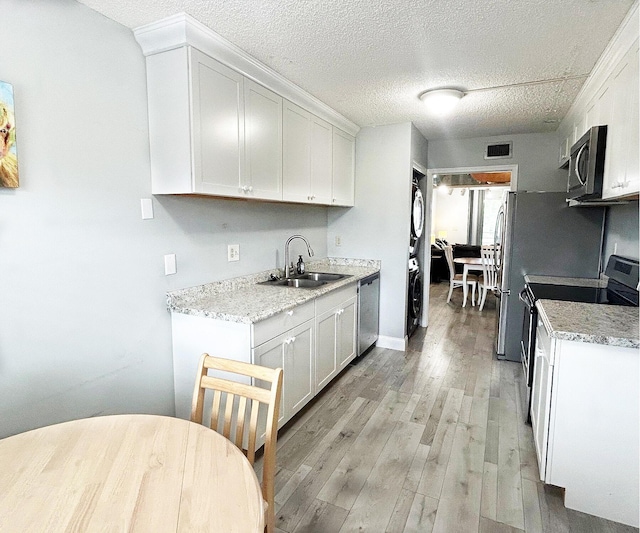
(448, 253)
(242, 404)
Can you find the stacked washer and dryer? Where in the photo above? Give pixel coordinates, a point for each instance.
(414, 300)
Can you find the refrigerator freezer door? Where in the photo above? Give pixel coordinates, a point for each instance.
(503, 239)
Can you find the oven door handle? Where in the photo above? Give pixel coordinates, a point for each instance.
(523, 296)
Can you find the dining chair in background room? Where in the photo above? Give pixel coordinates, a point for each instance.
(237, 405)
(456, 280)
(489, 280)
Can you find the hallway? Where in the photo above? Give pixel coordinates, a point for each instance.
(432, 439)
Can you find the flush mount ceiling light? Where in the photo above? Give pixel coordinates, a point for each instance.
(441, 101)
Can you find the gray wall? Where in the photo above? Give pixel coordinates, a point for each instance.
(378, 226)
(536, 155)
(84, 325)
(621, 228)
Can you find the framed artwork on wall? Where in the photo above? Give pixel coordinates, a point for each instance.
(8, 150)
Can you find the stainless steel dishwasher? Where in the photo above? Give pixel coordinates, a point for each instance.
(368, 311)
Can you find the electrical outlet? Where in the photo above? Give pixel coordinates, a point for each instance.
(170, 264)
(233, 252)
(338, 240)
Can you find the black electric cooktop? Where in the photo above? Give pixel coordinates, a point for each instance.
(569, 293)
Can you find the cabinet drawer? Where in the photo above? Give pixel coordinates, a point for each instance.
(327, 301)
(277, 324)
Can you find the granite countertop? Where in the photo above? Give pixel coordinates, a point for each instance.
(576, 282)
(611, 325)
(244, 300)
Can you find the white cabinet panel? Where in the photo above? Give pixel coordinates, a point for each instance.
(343, 168)
(296, 144)
(218, 122)
(347, 329)
(292, 351)
(326, 333)
(263, 142)
(321, 161)
(336, 329)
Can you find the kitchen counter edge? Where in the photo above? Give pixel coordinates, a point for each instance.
(610, 325)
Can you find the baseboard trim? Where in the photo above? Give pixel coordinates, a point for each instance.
(392, 343)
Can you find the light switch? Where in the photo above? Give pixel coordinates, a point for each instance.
(147, 208)
(170, 264)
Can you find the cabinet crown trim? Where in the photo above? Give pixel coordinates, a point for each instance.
(183, 30)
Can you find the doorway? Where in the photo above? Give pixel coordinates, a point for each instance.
(462, 204)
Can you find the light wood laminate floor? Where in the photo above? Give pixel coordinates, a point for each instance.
(430, 440)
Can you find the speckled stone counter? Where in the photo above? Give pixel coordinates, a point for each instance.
(244, 300)
(576, 282)
(611, 325)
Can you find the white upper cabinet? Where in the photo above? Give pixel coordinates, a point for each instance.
(610, 97)
(218, 123)
(263, 142)
(321, 161)
(308, 155)
(223, 124)
(621, 160)
(296, 143)
(343, 168)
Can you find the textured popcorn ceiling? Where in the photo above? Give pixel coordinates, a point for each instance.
(370, 59)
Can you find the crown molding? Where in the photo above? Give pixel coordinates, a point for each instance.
(183, 30)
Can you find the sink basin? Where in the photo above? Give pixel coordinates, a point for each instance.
(296, 282)
(322, 276)
(310, 280)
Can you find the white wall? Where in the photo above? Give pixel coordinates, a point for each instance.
(536, 155)
(84, 327)
(378, 226)
(451, 215)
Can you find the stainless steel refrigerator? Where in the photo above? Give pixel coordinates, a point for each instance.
(539, 234)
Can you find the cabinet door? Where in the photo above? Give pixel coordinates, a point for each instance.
(263, 142)
(621, 163)
(321, 161)
(218, 126)
(343, 168)
(272, 355)
(326, 364)
(346, 338)
(298, 358)
(296, 150)
(541, 400)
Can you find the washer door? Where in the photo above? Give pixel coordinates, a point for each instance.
(415, 296)
(417, 214)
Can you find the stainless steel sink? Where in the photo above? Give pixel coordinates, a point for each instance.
(322, 276)
(310, 280)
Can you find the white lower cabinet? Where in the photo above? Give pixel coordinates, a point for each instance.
(312, 343)
(586, 423)
(292, 351)
(335, 334)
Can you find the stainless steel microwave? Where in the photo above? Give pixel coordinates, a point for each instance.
(586, 165)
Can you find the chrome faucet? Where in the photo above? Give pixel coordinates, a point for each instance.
(288, 265)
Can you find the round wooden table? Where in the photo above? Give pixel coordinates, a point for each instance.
(127, 473)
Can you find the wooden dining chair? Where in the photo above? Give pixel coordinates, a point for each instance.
(455, 280)
(489, 279)
(237, 405)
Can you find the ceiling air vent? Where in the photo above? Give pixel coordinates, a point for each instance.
(498, 151)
